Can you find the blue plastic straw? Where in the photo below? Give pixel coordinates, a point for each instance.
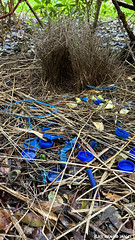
(92, 181)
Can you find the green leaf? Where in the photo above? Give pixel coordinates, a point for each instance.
(59, 5)
(37, 1)
(36, 7)
(128, 1)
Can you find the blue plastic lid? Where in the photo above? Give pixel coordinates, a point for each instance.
(53, 173)
(46, 144)
(28, 154)
(132, 153)
(126, 165)
(85, 156)
(121, 133)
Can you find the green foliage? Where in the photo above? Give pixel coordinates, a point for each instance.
(55, 9)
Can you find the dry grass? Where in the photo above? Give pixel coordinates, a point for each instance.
(72, 56)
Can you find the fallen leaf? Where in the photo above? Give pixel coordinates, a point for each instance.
(4, 219)
(109, 105)
(78, 100)
(99, 126)
(47, 204)
(30, 219)
(111, 196)
(38, 235)
(72, 105)
(124, 111)
(58, 198)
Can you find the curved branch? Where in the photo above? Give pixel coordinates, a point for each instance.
(125, 5)
(122, 17)
(10, 13)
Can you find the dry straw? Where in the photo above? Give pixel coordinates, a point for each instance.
(73, 56)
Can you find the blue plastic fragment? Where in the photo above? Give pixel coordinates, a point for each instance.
(32, 142)
(63, 158)
(132, 153)
(93, 144)
(69, 145)
(51, 137)
(28, 154)
(45, 129)
(121, 133)
(92, 181)
(97, 101)
(85, 99)
(44, 175)
(53, 173)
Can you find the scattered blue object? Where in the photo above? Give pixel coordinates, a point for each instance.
(45, 129)
(121, 133)
(85, 99)
(53, 173)
(92, 181)
(28, 154)
(69, 145)
(30, 117)
(85, 156)
(103, 88)
(44, 175)
(62, 152)
(51, 137)
(132, 153)
(93, 144)
(32, 143)
(97, 101)
(126, 165)
(46, 144)
(63, 158)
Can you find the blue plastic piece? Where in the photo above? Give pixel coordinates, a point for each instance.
(63, 158)
(32, 142)
(29, 117)
(46, 144)
(45, 129)
(126, 165)
(132, 153)
(121, 133)
(97, 101)
(85, 99)
(53, 173)
(93, 144)
(92, 181)
(51, 137)
(85, 156)
(44, 175)
(28, 154)
(69, 145)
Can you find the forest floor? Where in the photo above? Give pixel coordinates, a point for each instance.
(67, 159)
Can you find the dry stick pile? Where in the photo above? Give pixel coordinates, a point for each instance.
(22, 82)
(72, 56)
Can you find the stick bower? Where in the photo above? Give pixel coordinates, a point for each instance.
(72, 56)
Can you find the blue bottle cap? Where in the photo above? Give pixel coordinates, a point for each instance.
(85, 156)
(46, 144)
(132, 153)
(28, 154)
(126, 165)
(121, 133)
(53, 173)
